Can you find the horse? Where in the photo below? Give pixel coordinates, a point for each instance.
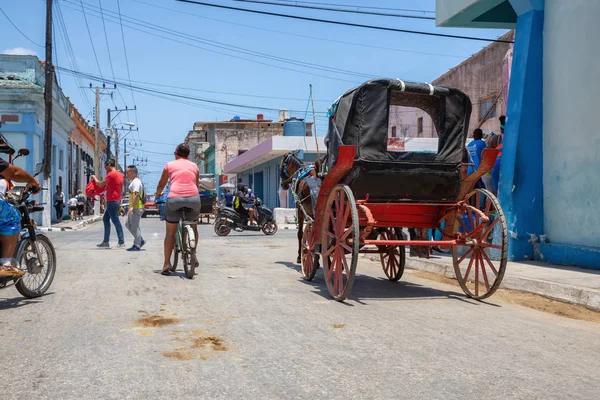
(289, 168)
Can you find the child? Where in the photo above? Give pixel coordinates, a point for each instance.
(80, 203)
(73, 207)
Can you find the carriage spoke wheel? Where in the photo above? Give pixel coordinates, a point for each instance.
(310, 260)
(339, 255)
(392, 257)
(480, 264)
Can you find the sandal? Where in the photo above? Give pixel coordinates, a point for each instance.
(9, 270)
(166, 272)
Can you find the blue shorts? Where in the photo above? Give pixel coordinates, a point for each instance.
(496, 173)
(10, 219)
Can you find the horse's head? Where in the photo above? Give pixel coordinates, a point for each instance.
(290, 164)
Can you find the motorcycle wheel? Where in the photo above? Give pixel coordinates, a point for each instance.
(221, 228)
(38, 273)
(270, 228)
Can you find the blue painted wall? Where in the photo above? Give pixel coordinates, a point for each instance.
(521, 184)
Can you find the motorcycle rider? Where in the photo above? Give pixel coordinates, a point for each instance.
(242, 198)
(10, 218)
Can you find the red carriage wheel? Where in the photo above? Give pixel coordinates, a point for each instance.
(392, 258)
(310, 260)
(480, 263)
(339, 242)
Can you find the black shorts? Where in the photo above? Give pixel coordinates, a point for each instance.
(176, 205)
(72, 208)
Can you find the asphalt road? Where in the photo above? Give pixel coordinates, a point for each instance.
(249, 327)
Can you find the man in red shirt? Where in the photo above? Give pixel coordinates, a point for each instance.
(114, 194)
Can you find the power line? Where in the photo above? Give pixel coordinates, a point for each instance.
(18, 30)
(64, 33)
(380, 28)
(106, 38)
(175, 95)
(377, 13)
(125, 51)
(300, 35)
(90, 35)
(239, 50)
(358, 7)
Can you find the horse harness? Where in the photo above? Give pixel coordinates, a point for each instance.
(302, 172)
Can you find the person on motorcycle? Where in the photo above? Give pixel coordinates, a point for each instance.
(242, 198)
(10, 218)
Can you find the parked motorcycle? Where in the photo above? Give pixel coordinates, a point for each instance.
(227, 219)
(34, 253)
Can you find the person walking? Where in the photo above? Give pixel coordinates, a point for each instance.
(136, 208)
(80, 203)
(59, 202)
(73, 207)
(184, 178)
(475, 149)
(114, 187)
(498, 164)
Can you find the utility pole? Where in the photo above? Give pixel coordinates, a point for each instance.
(116, 130)
(97, 135)
(48, 77)
(97, 168)
(125, 164)
(108, 132)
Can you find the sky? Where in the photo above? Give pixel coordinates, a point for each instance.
(252, 63)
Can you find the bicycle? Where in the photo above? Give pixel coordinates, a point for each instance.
(185, 243)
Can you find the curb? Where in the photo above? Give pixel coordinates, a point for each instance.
(71, 228)
(582, 296)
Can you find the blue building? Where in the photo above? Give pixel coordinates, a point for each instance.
(549, 184)
(22, 116)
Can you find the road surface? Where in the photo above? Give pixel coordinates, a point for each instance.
(249, 327)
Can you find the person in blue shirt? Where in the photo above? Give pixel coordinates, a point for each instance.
(228, 196)
(475, 148)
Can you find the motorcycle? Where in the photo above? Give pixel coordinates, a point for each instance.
(227, 219)
(34, 253)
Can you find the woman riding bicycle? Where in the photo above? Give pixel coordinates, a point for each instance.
(183, 176)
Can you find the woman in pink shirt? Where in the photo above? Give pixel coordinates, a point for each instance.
(183, 176)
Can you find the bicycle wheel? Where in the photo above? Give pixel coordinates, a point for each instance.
(188, 242)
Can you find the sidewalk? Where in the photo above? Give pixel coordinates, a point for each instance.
(69, 225)
(568, 284)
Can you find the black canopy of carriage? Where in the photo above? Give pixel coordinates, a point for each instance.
(360, 117)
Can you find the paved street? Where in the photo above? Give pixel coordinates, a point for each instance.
(249, 327)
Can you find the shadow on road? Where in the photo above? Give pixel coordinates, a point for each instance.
(7, 304)
(374, 288)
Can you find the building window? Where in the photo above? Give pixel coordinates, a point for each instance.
(240, 152)
(394, 133)
(61, 156)
(485, 105)
(420, 127)
(53, 155)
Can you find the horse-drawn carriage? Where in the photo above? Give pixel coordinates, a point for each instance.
(367, 188)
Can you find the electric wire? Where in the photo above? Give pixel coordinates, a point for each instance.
(326, 21)
(301, 35)
(377, 13)
(126, 57)
(18, 30)
(236, 49)
(64, 34)
(90, 35)
(359, 6)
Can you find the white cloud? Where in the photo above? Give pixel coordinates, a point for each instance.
(19, 51)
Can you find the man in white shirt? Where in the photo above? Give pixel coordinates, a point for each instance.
(136, 208)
